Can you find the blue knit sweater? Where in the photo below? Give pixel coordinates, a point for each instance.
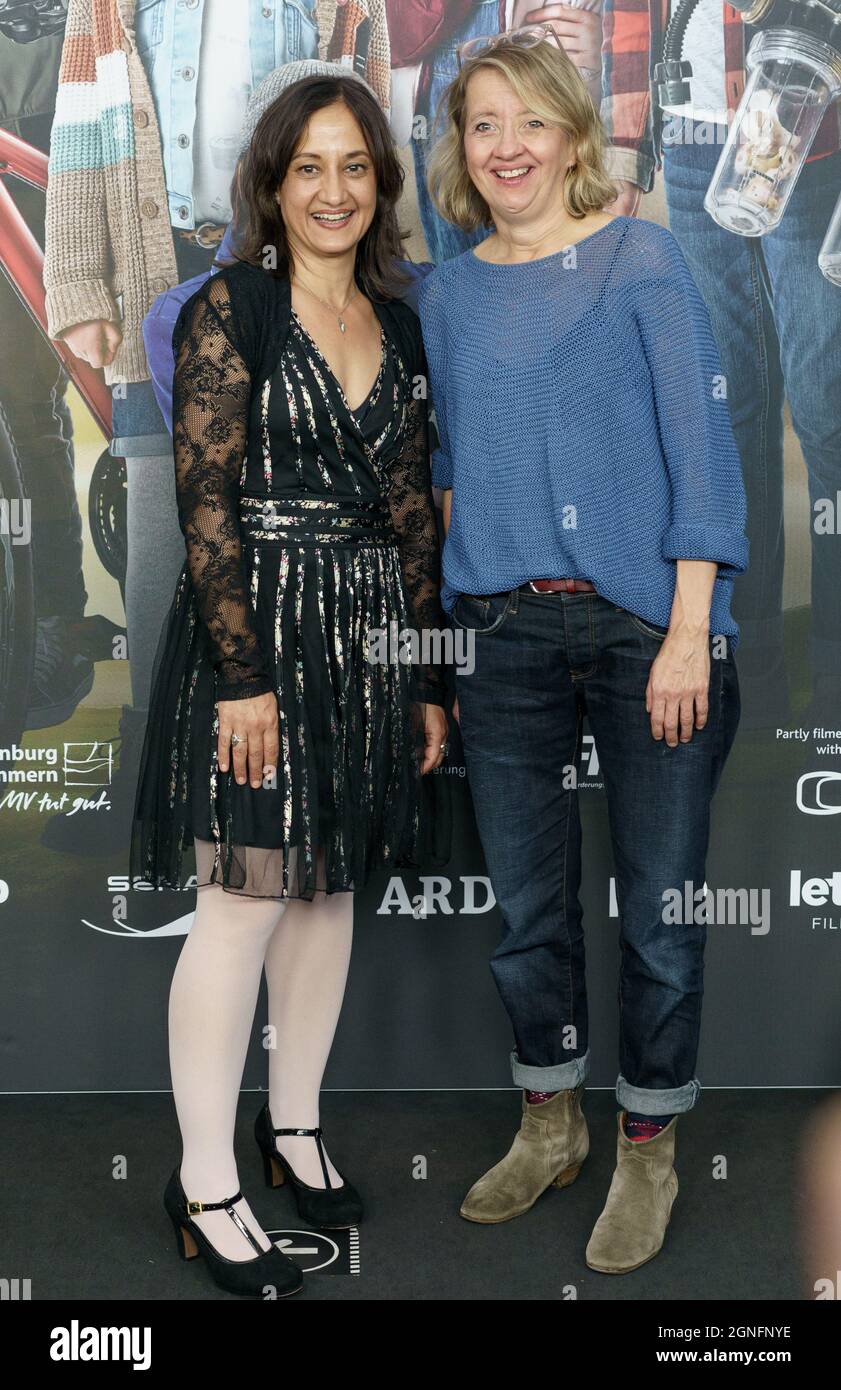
(583, 422)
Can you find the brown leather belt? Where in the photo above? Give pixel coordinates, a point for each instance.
(555, 586)
(549, 586)
(208, 235)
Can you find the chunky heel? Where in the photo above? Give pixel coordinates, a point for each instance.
(187, 1247)
(568, 1175)
(272, 1172)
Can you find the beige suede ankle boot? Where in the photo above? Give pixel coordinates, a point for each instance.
(548, 1151)
(632, 1226)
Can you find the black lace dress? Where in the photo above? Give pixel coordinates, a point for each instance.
(309, 525)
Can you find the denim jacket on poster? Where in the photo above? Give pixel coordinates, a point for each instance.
(168, 34)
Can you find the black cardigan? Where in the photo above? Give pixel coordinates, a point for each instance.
(261, 307)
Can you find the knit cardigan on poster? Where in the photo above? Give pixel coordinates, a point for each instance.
(109, 242)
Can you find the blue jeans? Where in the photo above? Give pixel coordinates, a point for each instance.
(777, 324)
(442, 239)
(541, 662)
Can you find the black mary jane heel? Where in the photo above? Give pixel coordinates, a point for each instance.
(329, 1208)
(270, 1269)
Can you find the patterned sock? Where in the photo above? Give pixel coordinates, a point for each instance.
(539, 1097)
(638, 1128)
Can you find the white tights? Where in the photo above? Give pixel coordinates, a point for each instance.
(305, 949)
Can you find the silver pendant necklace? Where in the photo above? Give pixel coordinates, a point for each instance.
(331, 307)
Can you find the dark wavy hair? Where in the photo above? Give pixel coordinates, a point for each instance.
(264, 165)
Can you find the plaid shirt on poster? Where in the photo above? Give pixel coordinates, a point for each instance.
(632, 30)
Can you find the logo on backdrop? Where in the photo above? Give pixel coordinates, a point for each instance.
(817, 892)
(50, 779)
(589, 774)
(467, 896)
(118, 887)
(819, 793)
(435, 897)
(318, 1252)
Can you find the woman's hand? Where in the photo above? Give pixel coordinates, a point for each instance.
(435, 733)
(677, 694)
(95, 341)
(255, 722)
(627, 202)
(578, 31)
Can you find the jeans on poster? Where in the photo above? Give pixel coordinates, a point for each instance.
(777, 324)
(444, 240)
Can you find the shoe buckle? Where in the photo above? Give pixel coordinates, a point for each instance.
(194, 1208)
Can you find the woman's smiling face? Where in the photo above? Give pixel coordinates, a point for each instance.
(516, 159)
(329, 195)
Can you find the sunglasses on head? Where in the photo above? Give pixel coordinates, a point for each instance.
(528, 37)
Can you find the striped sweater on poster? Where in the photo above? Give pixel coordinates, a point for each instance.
(109, 249)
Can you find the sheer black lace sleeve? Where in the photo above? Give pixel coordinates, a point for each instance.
(413, 516)
(210, 407)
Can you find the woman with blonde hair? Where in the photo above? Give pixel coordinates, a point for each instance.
(595, 516)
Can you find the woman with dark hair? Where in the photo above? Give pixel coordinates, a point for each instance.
(277, 744)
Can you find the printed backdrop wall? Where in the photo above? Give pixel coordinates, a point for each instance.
(88, 959)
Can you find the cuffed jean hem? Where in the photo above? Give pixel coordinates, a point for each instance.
(564, 1077)
(141, 446)
(673, 1102)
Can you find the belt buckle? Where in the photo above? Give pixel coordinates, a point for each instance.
(569, 586)
(531, 584)
(207, 245)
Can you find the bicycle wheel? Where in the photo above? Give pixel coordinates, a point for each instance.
(107, 504)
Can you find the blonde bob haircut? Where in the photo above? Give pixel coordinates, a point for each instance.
(548, 83)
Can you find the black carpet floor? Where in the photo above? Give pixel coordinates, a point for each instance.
(79, 1233)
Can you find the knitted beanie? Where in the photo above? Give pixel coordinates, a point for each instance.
(281, 78)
